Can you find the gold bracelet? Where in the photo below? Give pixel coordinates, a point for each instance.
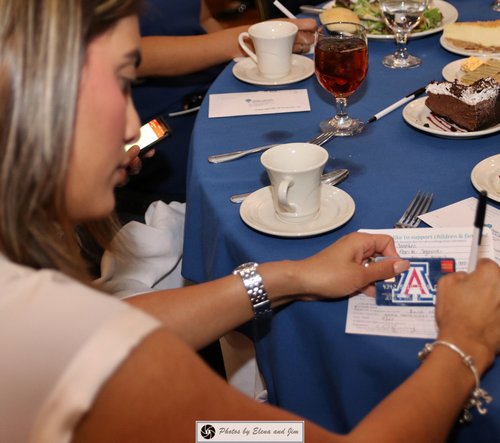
(478, 395)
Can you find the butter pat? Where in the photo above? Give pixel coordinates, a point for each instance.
(471, 64)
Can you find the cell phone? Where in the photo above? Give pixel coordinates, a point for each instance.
(151, 133)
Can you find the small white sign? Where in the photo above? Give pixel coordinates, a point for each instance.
(253, 431)
(259, 102)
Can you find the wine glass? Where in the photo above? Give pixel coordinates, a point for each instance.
(402, 16)
(341, 64)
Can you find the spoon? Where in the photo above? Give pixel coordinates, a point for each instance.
(330, 178)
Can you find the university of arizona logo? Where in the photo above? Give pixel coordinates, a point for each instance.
(414, 286)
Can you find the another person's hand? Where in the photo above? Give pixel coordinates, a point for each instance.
(468, 310)
(135, 164)
(343, 268)
(305, 36)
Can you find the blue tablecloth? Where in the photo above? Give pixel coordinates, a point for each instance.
(310, 365)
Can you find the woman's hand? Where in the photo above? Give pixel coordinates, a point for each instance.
(468, 310)
(344, 268)
(135, 163)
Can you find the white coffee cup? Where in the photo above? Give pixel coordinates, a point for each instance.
(273, 42)
(294, 170)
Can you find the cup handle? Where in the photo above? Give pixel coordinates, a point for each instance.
(283, 194)
(244, 46)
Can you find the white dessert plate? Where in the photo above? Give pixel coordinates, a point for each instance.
(462, 51)
(246, 70)
(484, 175)
(420, 117)
(452, 71)
(257, 211)
(450, 15)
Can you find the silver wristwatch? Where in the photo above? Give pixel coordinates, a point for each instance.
(255, 289)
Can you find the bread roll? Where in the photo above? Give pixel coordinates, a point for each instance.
(338, 14)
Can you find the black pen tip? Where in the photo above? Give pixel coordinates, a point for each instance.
(481, 210)
(420, 91)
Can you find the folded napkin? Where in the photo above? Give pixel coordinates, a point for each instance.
(154, 253)
(153, 262)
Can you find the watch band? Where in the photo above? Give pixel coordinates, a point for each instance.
(254, 286)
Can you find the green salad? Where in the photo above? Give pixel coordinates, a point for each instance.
(369, 13)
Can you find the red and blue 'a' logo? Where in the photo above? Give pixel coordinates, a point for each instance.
(415, 286)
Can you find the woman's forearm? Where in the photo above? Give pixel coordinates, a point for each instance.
(200, 314)
(170, 56)
(428, 403)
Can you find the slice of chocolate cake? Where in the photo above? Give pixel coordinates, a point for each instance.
(471, 107)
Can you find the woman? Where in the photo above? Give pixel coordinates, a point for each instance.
(77, 365)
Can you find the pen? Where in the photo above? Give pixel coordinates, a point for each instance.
(283, 9)
(186, 111)
(478, 230)
(396, 105)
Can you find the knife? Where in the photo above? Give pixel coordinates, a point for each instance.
(219, 158)
(311, 9)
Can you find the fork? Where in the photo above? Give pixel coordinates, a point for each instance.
(220, 158)
(418, 206)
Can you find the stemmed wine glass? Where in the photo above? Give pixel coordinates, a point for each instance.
(341, 64)
(402, 16)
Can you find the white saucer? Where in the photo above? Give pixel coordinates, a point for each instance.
(420, 117)
(484, 174)
(246, 71)
(449, 46)
(257, 211)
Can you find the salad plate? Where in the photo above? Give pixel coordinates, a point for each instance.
(448, 11)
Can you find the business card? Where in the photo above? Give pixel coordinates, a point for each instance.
(258, 103)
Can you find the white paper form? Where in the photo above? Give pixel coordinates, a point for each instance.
(462, 213)
(365, 317)
(259, 102)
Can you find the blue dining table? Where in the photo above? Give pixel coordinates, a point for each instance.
(310, 365)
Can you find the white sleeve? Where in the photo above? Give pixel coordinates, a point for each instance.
(59, 343)
(78, 386)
